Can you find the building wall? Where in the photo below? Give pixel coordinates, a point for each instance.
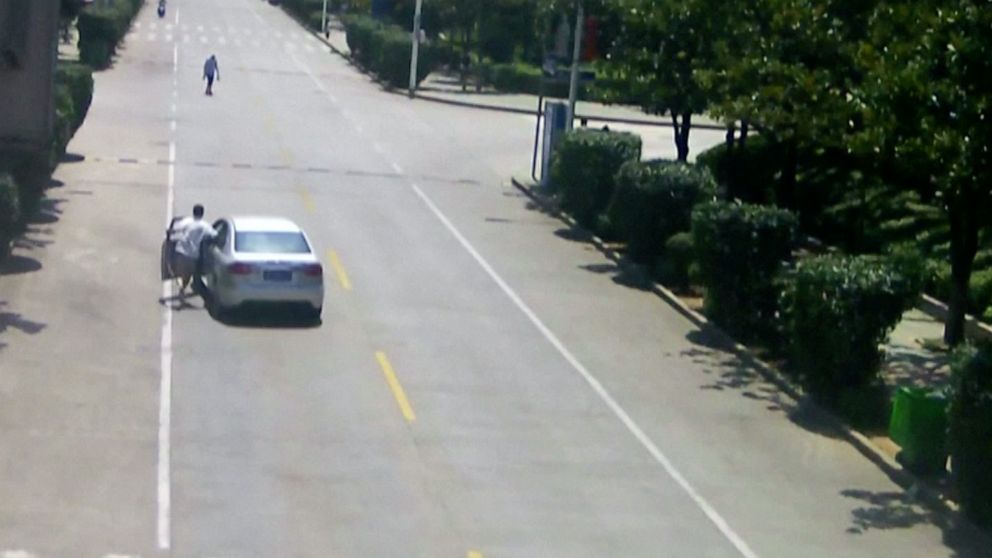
(28, 51)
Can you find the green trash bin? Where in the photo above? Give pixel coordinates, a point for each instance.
(919, 425)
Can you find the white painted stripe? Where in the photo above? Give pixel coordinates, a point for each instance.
(186, 38)
(153, 25)
(137, 25)
(308, 47)
(172, 125)
(151, 37)
(200, 28)
(710, 512)
(16, 554)
(222, 40)
(203, 39)
(168, 27)
(164, 491)
(397, 167)
(378, 147)
(168, 37)
(175, 61)
(177, 17)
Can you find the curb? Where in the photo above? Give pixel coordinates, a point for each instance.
(886, 464)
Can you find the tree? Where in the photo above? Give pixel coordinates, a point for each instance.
(654, 61)
(925, 104)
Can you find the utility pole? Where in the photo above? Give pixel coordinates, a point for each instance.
(323, 21)
(416, 46)
(573, 84)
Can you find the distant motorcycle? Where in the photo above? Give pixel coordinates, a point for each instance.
(161, 9)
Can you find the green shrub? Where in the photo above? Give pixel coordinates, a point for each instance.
(673, 267)
(584, 167)
(835, 312)
(747, 173)
(970, 431)
(653, 201)
(385, 50)
(980, 292)
(10, 212)
(316, 21)
(740, 249)
(101, 28)
(78, 78)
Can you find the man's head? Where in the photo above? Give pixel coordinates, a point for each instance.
(197, 211)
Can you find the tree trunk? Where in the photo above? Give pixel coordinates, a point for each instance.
(964, 246)
(743, 139)
(681, 131)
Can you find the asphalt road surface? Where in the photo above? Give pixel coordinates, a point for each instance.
(483, 383)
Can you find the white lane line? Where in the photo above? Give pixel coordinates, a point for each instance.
(175, 59)
(168, 37)
(151, 37)
(172, 125)
(710, 512)
(16, 554)
(378, 147)
(397, 168)
(165, 387)
(222, 40)
(177, 16)
(186, 38)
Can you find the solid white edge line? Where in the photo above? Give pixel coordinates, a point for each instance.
(595, 384)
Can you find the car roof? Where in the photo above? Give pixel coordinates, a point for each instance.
(263, 224)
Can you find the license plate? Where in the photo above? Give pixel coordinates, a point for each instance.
(277, 275)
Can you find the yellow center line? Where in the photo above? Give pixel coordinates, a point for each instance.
(332, 257)
(474, 554)
(394, 385)
(308, 202)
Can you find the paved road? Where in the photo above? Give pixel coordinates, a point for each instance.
(482, 384)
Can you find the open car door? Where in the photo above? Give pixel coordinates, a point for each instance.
(169, 248)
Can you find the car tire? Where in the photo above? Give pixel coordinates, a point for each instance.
(313, 314)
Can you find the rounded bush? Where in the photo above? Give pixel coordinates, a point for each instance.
(584, 167)
(970, 431)
(673, 267)
(740, 248)
(835, 312)
(653, 201)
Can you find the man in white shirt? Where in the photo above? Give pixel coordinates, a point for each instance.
(194, 231)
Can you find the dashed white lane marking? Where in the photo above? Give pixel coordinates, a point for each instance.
(152, 36)
(397, 167)
(203, 39)
(186, 38)
(137, 25)
(16, 554)
(707, 509)
(222, 40)
(168, 37)
(199, 28)
(153, 25)
(378, 147)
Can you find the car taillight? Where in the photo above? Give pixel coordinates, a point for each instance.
(240, 268)
(313, 270)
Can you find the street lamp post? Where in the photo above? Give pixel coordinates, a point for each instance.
(573, 84)
(416, 46)
(323, 21)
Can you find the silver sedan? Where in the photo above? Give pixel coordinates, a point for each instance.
(262, 260)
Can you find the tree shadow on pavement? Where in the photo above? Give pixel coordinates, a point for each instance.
(899, 510)
(731, 372)
(14, 320)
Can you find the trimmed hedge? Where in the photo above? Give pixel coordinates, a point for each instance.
(970, 431)
(385, 50)
(78, 79)
(740, 248)
(835, 312)
(653, 201)
(673, 268)
(101, 28)
(747, 173)
(10, 212)
(520, 77)
(584, 167)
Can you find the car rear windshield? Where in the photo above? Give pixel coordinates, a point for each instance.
(271, 243)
